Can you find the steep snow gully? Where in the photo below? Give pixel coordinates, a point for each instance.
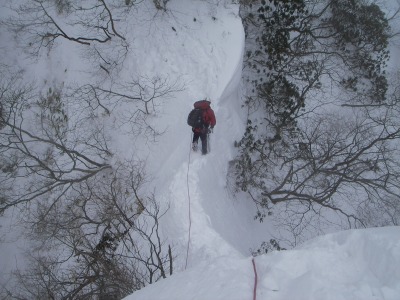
(200, 44)
(215, 226)
(211, 231)
(202, 180)
(216, 222)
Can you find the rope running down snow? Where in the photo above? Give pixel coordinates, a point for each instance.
(255, 280)
(190, 226)
(188, 193)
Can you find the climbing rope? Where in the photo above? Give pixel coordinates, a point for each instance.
(190, 225)
(188, 194)
(255, 280)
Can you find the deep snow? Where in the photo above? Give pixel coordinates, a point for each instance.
(348, 265)
(204, 51)
(352, 265)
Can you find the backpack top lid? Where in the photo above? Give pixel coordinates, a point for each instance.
(203, 104)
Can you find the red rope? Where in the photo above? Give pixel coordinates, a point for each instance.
(255, 280)
(190, 216)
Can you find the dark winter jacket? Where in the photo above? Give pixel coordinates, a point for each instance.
(208, 114)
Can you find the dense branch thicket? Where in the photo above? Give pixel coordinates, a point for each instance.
(143, 94)
(91, 217)
(94, 230)
(104, 243)
(40, 25)
(53, 157)
(40, 20)
(322, 130)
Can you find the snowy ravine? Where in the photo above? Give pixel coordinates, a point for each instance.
(211, 231)
(205, 50)
(199, 43)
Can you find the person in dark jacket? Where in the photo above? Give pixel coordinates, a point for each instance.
(209, 122)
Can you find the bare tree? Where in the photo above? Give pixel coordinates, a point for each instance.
(94, 228)
(110, 243)
(321, 138)
(109, 240)
(338, 173)
(40, 25)
(53, 158)
(44, 21)
(294, 47)
(143, 95)
(146, 93)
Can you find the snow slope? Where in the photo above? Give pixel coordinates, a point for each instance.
(214, 232)
(351, 265)
(204, 50)
(200, 43)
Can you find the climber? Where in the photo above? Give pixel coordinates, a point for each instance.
(202, 120)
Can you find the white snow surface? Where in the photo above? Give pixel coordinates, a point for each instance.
(352, 265)
(212, 232)
(357, 264)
